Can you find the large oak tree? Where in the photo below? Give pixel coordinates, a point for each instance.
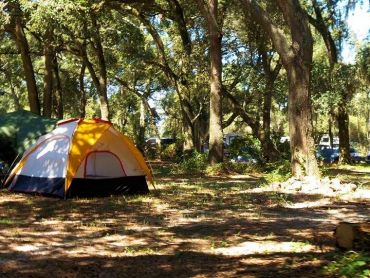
(295, 49)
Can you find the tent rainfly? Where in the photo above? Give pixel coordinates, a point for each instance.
(82, 158)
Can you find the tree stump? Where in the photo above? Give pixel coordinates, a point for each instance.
(353, 236)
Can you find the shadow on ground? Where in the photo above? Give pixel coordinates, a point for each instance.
(194, 227)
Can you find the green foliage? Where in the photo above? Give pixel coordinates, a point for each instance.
(217, 169)
(248, 147)
(277, 172)
(232, 168)
(350, 265)
(169, 152)
(7, 221)
(194, 163)
(363, 61)
(151, 152)
(134, 55)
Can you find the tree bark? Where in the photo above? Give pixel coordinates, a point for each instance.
(82, 91)
(101, 78)
(190, 121)
(320, 25)
(58, 91)
(343, 121)
(13, 92)
(187, 132)
(330, 131)
(269, 151)
(141, 134)
(23, 47)
(265, 140)
(302, 144)
(15, 97)
(48, 75)
(216, 142)
(296, 58)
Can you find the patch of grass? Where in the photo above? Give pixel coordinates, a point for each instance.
(276, 172)
(93, 224)
(362, 166)
(297, 246)
(219, 244)
(6, 221)
(134, 250)
(350, 264)
(195, 163)
(281, 198)
(233, 168)
(217, 169)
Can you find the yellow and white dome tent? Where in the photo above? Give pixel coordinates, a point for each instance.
(81, 158)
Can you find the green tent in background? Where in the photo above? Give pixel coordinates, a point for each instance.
(19, 130)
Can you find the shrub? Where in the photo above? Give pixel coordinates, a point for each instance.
(350, 264)
(169, 152)
(193, 163)
(233, 168)
(151, 152)
(284, 149)
(217, 169)
(247, 147)
(277, 171)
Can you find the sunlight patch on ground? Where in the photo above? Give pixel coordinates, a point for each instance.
(26, 248)
(266, 247)
(195, 222)
(308, 204)
(360, 193)
(348, 215)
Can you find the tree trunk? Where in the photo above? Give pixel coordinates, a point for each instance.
(102, 78)
(343, 120)
(13, 92)
(216, 142)
(269, 151)
(266, 142)
(103, 97)
(302, 144)
(367, 117)
(48, 75)
(330, 131)
(187, 131)
(100, 85)
(187, 115)
(82, 91)
(58, 91)
(23, 47)
(296, 55)
(141, 134)
(15, 97)
(197, 135)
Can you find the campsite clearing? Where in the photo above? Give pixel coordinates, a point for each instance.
(192, 227)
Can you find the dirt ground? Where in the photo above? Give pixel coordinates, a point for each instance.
(190, 227)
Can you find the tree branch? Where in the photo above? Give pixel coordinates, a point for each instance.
(276, 34)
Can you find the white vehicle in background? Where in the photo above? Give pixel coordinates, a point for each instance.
(325, 142)
(367, 158)
(284, 139)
